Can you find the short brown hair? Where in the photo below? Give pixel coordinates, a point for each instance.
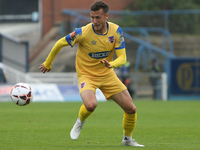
(98, 5)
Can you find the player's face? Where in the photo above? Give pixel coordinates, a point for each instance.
(99, 19)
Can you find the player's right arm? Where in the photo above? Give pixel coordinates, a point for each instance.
(46, 66)
(70, 39)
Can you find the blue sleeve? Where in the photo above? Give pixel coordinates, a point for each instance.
(120, 39)
(74, 37)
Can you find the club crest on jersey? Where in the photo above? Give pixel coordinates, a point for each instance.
(72, 35)
(111, 39)
(94, 42)
(82, 85)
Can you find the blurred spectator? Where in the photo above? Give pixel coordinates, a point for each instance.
(155, 78)
(155, 66)
(2, 74)
(125, 77)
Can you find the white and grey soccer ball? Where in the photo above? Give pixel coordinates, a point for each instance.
(21, 94)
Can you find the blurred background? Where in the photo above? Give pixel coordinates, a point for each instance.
(162, 43)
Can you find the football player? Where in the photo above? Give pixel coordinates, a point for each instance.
(94, 66)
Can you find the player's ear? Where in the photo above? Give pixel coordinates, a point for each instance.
(106, 16)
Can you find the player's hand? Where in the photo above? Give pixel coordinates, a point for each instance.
(43, 69)
(106, 63)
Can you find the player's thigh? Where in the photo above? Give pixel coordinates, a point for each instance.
(124, 100)
(87, 89)
(89, 99)
(111, 86)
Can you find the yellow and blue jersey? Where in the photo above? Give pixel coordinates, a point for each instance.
(93, 47)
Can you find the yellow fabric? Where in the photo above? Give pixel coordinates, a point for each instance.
(109, 85)
(83, 113)
(129, 122)
(54, 51)
(94, 47)
(121, 58)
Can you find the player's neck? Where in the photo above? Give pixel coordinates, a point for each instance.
(103, 30)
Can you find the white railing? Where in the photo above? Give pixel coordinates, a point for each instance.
(55, 77)
(14, 76)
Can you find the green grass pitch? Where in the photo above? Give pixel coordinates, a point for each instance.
(172, 125)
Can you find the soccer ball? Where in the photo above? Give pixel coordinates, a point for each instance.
(21, 94)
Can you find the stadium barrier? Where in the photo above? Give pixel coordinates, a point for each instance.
(43, 92)
(59, 93)
(183, 78)
(149, 85)
(14, 52)
(47, 87)
(51, 87)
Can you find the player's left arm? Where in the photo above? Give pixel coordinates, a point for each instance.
(120, 51)
(119, 61)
